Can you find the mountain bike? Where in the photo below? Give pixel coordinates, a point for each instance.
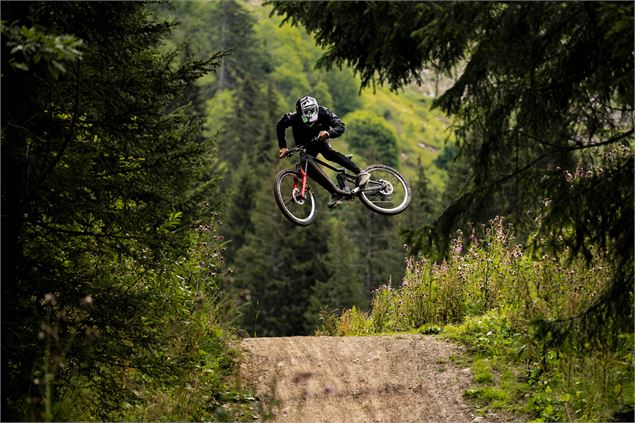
(386, 192)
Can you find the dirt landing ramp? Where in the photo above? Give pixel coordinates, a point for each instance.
(401, 378)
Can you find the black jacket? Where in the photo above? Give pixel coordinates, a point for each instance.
(302, 134)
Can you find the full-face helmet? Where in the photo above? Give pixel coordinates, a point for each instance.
(307, 107)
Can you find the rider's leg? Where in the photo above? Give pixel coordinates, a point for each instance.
(314, 149)
(320, 178)
(339, 158)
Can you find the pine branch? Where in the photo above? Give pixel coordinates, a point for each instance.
(558, 150)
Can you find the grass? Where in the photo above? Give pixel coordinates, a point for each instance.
(486, 297)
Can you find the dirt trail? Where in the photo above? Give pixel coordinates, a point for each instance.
(400, 378)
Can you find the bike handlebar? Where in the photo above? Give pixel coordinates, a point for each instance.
(302, 147)
(290, 152)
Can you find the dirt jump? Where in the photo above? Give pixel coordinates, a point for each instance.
(399, 378)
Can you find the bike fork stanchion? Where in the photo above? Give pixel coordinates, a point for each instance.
(304, 173)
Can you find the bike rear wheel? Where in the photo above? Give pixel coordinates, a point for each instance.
(386, 192)
(301, 210)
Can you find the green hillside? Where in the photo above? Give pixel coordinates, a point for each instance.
(421, 132)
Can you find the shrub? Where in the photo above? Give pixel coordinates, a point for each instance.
(487, 295)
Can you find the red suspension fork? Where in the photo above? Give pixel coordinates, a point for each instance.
(304, 176)
(303, 172)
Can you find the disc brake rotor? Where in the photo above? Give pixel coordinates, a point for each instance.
(299, 199)
(386, 188)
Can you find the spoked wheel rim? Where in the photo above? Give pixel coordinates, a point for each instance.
(299, 209)
(387, 191)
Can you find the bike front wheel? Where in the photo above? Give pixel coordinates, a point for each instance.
(386, 192)
(287, 189)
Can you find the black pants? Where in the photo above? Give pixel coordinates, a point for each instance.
(324, 148)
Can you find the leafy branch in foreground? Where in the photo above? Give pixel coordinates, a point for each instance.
(105, 175)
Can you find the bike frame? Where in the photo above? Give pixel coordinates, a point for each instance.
(302, 167)
(306, 159)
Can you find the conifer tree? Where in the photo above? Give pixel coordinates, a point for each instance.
(231, 29)
(240, 203)
(103, 173)
(280, 264)
(376, 236)
(544, 97)
(417, 220)
(344, 286)
(248, 145)
(380, 248)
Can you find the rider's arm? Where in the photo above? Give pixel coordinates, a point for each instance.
(336, 124)
(281, 126)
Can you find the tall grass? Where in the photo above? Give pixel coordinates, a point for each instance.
(486, 295)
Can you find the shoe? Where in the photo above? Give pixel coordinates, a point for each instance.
(336, 200)
(362, 179)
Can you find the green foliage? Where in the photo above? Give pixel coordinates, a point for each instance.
(523, 118)
(352, 322)
(343, 88)
(448, 154)
(422, 212)
(220, 26)
(343, 289)
(373, 52)
(31, 47)
(380, 259)
(279, 266)
(200, 340)
(105, 175)
(420, 131)
(489, 295)
(369, 136)
(292, 58)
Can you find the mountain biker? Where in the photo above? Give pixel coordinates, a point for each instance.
(313, 125)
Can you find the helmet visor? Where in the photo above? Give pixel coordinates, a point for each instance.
(308, 108)
(310, 113)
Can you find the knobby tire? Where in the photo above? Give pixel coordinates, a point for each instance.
(285, 203)
(404, 184)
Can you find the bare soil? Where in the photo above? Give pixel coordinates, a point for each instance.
(399, 378)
